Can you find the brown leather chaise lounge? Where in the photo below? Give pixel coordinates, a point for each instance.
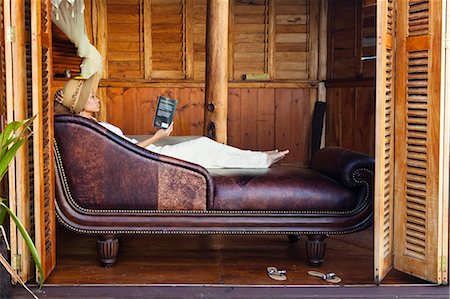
(108, 186)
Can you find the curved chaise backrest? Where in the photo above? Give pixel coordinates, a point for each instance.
(98, 170)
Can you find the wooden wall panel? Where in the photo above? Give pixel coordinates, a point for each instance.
(351, 39)
(258, 119)
(132, 109)
(168, 39)
(64, 54)
(250, 37)
(199, 36)
(291, 39)
(368, 42)
(125, 39)
(350, 120)
(343, 26)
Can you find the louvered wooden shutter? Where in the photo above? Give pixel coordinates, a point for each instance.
(291, 39)
(250, 37)
(418, 222)
(384, 140)
(19, 99)
(199, 39)
(168, 39)
(125, 38)
(44, 209)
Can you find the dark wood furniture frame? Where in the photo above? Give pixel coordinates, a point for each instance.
(103, 213)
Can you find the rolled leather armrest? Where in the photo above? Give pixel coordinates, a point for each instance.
(342, 165)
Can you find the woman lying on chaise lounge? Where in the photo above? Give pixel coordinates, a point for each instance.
(79, 97)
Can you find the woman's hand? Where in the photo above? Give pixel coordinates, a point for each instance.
(162, 133)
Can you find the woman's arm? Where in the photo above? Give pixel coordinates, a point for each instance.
(160, 134)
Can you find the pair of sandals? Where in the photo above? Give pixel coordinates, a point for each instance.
(276, 274)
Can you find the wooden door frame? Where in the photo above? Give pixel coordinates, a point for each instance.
(445, 136)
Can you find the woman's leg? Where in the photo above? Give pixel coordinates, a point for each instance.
(211, 154)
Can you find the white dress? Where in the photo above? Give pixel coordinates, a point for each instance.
(205, 152)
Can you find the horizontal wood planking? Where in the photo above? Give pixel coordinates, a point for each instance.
(291, 39)
(168, 39)
(351, 39)
(350, 120)
(343, 33)
(258, 119)
(64, 53)
(199, 39)
(368, 43)
(125, 39)
(250, 37)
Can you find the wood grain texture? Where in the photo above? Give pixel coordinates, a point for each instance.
(385, 159)
(203, 259)
(258, 119)
(350, 119)
(216, 84)
(64, 54)
(125, 62)
(418, 223)
(43, 158)
(21, 102)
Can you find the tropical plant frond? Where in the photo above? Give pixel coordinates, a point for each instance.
(9, 155)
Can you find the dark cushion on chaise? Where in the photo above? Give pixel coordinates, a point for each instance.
(279, 189)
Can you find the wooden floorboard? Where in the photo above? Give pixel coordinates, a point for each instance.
(181, 292)
(218, 260)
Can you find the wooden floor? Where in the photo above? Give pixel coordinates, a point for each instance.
(215, 260)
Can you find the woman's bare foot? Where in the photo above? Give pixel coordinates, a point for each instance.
(276, 156)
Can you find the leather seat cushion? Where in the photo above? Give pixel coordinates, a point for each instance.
(278, 189)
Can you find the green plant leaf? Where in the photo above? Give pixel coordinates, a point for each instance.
(2, 215)
(9, 155)
(28, 241)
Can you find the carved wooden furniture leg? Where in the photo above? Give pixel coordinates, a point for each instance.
(315, 248)
(293, 238)
(107, 247)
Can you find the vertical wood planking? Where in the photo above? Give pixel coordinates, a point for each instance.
(302, 111)
(115, 107)
(283, 121)
(350, 118)
(197, 115)
(258, 119)
(248, 120)
(265, 133)
(364, 131)
(234, 117)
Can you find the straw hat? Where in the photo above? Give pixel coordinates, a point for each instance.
(76, 92)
